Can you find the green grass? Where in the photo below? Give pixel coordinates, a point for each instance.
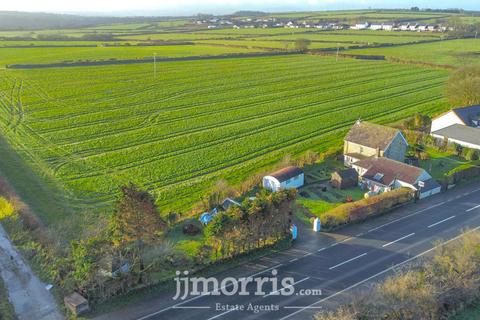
(440, 163)
(88, 130)
(69, 54)
(452, 52)
(6, 309)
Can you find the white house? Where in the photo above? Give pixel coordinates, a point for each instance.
(286, 178)
(467, 116)
(376, 27)
(388, 27)
(379, 174)
(361, 26)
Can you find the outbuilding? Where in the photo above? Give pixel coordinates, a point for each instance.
(344, 179)
(286, 178)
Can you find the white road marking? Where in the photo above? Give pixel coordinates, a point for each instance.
(334, 244)
(359, 235)
(320, 250)
(293, 260)
(345, 240)
(349, 260)
(221, 314)
(442, 221)
(201, 296)
(471, 209)
(400, 239)
(378, 274)
(407, 216)
(186, 307)
(289, 286)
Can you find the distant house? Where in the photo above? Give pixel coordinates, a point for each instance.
(361, 26)
(405, 27)
(366, 140)
(388, 27)
(380, 174)
(344, 179)
(422, 28)
(466, 116)
(468, 137)
(376, 27)
(286, 178)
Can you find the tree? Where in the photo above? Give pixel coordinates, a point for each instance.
(463, 87)
(302, 45)
(135, 222)
(415, 9)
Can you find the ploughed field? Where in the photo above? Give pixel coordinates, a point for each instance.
(88, 130)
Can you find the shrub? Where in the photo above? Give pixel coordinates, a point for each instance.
(6, 208)
(191, 229)
(363, 209)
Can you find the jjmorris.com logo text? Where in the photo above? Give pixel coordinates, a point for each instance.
(196, 286)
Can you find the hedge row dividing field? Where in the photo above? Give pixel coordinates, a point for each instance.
(87, 130)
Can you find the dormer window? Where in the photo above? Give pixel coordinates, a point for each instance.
(378, 176)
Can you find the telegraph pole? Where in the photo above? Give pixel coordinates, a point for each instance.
(338, 50)
(155, 65)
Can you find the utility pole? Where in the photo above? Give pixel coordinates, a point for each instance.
(338, 50)
(155, 65)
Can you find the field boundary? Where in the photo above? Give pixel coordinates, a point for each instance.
(146, 60)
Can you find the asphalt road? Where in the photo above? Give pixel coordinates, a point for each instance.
(335, 264)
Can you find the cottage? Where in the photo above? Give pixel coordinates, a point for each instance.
(286, 178)
(344, 179)
(366, 140)
(380, 174)
(466, 116)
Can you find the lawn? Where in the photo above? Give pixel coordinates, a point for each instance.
(440, 163)
(318, 200)
(85, 131)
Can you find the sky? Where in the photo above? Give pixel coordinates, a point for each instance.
(187, 7)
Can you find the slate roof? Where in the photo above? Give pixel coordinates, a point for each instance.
(385, 171)
(348, 174)
(286, 173)
(467, 114)
(371, 135)
(461, 133)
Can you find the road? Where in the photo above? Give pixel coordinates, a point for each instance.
(26, 292)
(336, 264)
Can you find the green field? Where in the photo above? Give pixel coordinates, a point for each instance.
(70, 54)
(451, 52)
(88, 130)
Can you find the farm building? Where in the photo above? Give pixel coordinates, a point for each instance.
(286, 178)
(460, 126)
(366, 140)
(344, 179)
(465, 136)
(380, 174)
(467, 116)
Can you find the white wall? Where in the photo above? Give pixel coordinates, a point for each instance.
(446, 120)
(272, 184)
(462, 143)
(294, 183)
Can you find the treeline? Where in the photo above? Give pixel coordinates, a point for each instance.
(14, 20)
(435, 289)
(257, 223)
